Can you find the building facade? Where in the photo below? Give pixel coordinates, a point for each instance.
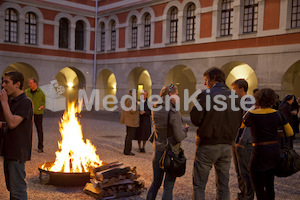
(146, 44)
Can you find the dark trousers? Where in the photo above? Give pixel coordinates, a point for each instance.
(38, 121)
(241, 159)
(158, 176)
(263, 183)
(129, 137)
(15, 174)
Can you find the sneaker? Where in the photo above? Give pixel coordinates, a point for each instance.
(40, 150)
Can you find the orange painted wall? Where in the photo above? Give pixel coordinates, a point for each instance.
(48, 34)
(271, 14)
(158, 32)
(122, 17)
(105, 2)
(121, 37)
(206, 25)
(206, 3)
(159, 9)
(48, 14)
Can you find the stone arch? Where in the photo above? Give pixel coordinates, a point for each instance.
(26, 69)
(72, 80)
(183, 77)
(115, 18)
(107, 85)
(236, 70)
(148, 10)
(36, 11)
(132, 14)
(7, 5)
(186, 3)
(139, 78)
(170, 5)
(290, 83)
(87, 30)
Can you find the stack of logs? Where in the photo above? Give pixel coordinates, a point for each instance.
(113, 180)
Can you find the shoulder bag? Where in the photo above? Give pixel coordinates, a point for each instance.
(289, 162)
(170, 162)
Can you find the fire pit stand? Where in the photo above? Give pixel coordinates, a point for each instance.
(63, 178)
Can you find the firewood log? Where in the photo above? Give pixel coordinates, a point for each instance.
(106, 185)
(112, 173)
(93, 191)
(107, 166)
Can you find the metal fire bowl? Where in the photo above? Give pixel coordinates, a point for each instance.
(64, 178)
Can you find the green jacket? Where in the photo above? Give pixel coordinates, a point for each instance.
(38, 99)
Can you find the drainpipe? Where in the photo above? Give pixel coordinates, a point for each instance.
(95, 47)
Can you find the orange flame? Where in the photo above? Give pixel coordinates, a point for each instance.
(74, 155)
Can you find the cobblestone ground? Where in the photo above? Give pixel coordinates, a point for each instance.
(107, 134)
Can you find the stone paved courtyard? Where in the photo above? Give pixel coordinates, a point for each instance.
(107, 134)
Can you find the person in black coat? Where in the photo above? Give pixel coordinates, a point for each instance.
(286, 108)
(144, 130)
(295, 110)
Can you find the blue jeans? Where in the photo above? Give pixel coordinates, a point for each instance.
(15, 174)
(218, 155)
(158, 175)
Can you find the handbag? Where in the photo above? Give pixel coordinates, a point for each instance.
(289, 162)
(170, 162)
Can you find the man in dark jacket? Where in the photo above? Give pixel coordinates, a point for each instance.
(218, 120)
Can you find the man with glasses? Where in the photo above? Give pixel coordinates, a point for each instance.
(216, 132)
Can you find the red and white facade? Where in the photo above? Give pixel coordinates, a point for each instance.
(140, 45)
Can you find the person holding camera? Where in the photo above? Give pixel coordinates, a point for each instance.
(161, 117)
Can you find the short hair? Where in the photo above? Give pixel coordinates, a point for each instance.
(241, 83)
(265, 98)
(16, 76)
(216, 74)
(166, 90)
(33, 78)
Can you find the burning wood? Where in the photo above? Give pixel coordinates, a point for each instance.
(114, 181)
(74, 155)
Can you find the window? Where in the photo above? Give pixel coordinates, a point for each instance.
(134, 32)
(30, 28)
(11, 25)
(79, 35)
(295, 21)
(173, 25)
(102, 37)
(63, 33)
(250, 16)
(190, 23)
(113, 35)
(147, 30)
(226, 17)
